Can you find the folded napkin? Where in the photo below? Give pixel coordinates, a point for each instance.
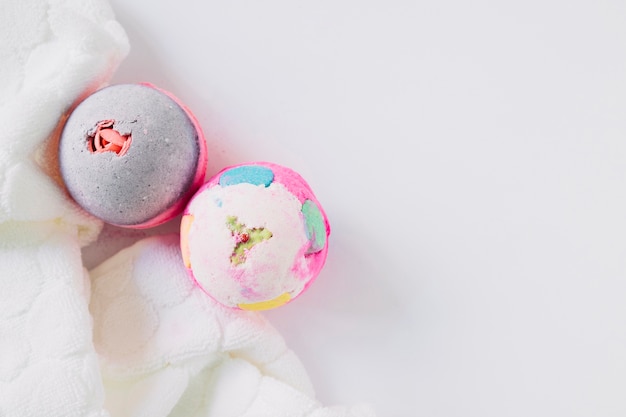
(134, 336)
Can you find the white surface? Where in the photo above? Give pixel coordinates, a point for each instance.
(471, 157)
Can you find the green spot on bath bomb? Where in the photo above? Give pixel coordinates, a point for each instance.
(245, 238)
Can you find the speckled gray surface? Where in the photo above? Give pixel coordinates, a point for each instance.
(156, 172)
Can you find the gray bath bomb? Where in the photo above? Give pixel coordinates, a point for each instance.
(130, 155)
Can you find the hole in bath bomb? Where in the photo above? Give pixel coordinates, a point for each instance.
(106, 139)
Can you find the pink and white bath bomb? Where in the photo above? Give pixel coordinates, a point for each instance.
(254, 236)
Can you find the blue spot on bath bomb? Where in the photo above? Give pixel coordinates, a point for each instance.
(251, 174)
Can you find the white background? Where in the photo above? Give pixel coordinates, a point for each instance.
(471, 157)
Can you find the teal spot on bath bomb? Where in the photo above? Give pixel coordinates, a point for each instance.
(251, 174)
(315, 227)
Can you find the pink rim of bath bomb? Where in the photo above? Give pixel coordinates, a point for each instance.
(198, 179)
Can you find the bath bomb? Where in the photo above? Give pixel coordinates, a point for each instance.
(254, 237)
(132, 155)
